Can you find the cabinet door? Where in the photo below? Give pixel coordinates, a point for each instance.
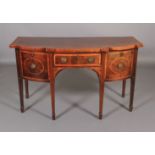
(119, 65)
(34, 66)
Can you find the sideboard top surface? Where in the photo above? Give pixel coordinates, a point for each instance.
(112, 43)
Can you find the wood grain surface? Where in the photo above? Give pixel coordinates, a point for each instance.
(81, 43)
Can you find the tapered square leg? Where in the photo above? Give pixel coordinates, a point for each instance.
(123, 88)
(20, 80)
(132, 81)
(100, 115)
(21, 95)
(53, 116)
(26, 89)
(101, 98)
(52, 86)
(132, 89)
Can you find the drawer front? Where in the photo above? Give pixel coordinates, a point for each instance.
(119, 65)
(77, 60)
(34, 65)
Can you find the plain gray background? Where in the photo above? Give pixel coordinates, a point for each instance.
(77, 90)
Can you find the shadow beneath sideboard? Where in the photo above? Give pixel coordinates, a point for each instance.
(74, 81)
(42, 87)
(73, 105)
(113, 90)
(77, 80)
(115, 101)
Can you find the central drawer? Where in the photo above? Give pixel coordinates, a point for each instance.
(77, 60)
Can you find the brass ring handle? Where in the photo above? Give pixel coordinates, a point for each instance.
(63, 60)
(91, 60)
(120, 66)
(33, 66)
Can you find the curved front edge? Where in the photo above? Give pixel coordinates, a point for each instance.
(119, 65)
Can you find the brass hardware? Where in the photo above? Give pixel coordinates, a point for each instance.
(121, 54)
(63, 60)
(33, 66)
(91, 60)
(120, 66)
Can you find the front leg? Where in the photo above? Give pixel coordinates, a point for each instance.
(123, 88)
(20, 80)
(26, 89)
(52, 86)
(132, 82)
(21, 95)
(132, 89)
(101, 93)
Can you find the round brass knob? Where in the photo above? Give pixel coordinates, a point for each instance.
(63, 60)
(91, 60)
(33, 66)
(120, 66)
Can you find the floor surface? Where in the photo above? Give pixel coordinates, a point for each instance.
(77, 103)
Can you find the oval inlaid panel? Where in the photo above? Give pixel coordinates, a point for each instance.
(34, 66)
(119, 65)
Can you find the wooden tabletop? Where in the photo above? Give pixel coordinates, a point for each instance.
(113, 43)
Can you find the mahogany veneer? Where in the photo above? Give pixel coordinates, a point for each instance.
(42, 58)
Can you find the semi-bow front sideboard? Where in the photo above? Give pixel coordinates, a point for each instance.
(41, 59)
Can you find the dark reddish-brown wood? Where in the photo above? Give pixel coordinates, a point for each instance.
(114, 43)
(20, 81)
(26, 89)
(133, 78)
(123, 88)
(84, 60)
(34, 65)
(52, 74)
(119, 65)
(42, 58)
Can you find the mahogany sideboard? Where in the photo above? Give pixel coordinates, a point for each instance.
(41, 59)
